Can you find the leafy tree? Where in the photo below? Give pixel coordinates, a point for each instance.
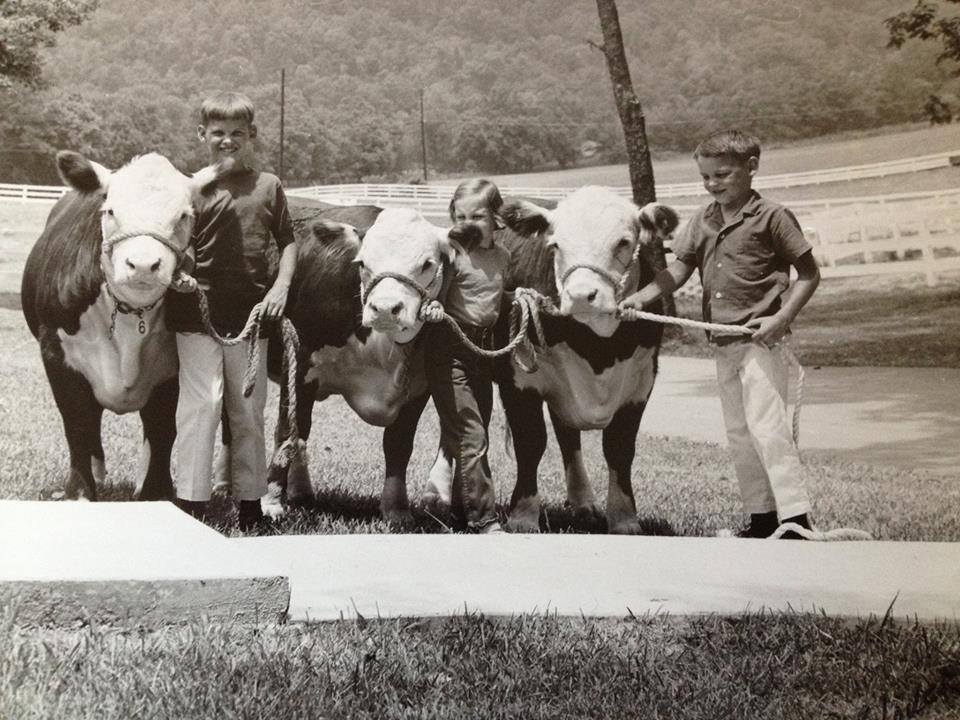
(28, 25)
(925, 22)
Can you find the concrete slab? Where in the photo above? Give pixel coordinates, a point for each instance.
(900, 417)
(129, 564)
(335, 577)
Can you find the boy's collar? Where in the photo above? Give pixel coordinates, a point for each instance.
(750, 207)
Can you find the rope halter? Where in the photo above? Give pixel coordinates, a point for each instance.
(421, 290)
(106, 247)
(617, 281)
(125, 308)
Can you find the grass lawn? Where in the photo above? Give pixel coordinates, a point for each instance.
(757, 666)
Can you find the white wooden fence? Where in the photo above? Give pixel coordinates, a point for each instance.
(862, 235)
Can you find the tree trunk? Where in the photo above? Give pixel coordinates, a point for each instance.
(634, 126)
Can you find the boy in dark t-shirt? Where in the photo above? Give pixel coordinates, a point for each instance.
(244, 253)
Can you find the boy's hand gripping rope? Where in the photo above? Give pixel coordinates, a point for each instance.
(291, 344)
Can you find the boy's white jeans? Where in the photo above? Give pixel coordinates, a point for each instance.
(753, 394)
(211, 377)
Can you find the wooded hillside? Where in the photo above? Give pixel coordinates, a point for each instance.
(508, 86)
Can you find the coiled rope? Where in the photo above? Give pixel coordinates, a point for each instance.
(289, 448)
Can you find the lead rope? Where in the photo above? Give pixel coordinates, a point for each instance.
(289, 448)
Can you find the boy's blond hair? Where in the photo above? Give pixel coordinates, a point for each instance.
(226, 106)
(729, 143)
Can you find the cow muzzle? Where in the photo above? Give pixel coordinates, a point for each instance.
(590, 295)
(392, 309)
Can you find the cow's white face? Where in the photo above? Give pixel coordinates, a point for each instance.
(411, 251)
(146, 219)
(594, 236)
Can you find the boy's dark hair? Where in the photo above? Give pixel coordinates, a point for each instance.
(484, 188)
(729, 143)
(226, 106)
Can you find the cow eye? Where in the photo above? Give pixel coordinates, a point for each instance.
(623, 244)
(427, 264)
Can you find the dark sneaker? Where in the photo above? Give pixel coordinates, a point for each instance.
(196, 509)
(762, 525)
(250, 515)
(801, 520)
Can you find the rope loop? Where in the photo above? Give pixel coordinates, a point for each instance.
(290, 447)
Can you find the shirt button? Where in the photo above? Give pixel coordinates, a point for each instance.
(718, 295)
(719, 265)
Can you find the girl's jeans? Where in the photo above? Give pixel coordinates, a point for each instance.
(461, 384)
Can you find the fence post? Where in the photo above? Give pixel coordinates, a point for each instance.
(929, 261)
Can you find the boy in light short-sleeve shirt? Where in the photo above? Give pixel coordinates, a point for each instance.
(744, 246)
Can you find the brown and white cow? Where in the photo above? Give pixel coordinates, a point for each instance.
(595, 372)
(355, 306)
(92, 294)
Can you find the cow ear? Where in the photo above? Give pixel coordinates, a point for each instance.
(526, 218)
(658, 219)
(446, 247)
(210, 174)
(82, 174)
(327, 232)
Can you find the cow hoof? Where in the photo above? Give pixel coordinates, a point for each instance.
(271, 503)
(624, 526)
(397, 518)
(523, 524)
(587, 512)
(433, 498)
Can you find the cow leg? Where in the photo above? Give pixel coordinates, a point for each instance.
(159, 418)
(524, 411)
(397, 448)
(291, 480)
(619, 449)
(81, 414)
(580, 495)
(439, 490)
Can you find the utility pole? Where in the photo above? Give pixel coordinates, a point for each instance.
(283, 82)
(423, 139)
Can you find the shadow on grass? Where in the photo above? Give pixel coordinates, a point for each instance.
(339, 511)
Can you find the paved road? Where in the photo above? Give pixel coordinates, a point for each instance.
(901, 417)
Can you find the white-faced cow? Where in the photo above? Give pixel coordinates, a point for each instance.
(594, 372)
(355, 306)
(92, 294)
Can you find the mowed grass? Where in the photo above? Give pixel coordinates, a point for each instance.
(757, 666)
(682, 487)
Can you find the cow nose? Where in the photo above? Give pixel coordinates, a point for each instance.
(583, 294)
(394, 309)
(142, 267)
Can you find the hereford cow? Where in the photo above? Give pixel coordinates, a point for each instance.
(92, 294)
(594, 372)
(355, 306)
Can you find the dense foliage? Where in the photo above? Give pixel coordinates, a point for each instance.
(507, 86)
(28, 25)
(932, 21)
